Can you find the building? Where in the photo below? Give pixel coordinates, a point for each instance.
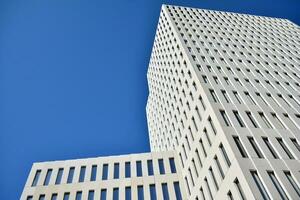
(224, 106)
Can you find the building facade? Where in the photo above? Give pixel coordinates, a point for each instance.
(223, 116)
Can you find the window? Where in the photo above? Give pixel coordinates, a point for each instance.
(103, 194)
(54, 197)
(177, 191)
(239, 188)
(219, 167)
(277, 119)
(260, 185)
(116, 170)
(225, 96)
(66, 196)
(250, 99)
(277, 185)
(93, 173)
(71, 174)
(208, 188)
(36, 177)
(292, 182)
(152, 192)
(59, 176)
(284, 147)
(252, 119)
(240, 146)
(29, 198)
(165, 191)
(116, 194)
(91, 195)
(105, 172)
(172, 165)
(294, 141)
(82, 174)
(48, 176)
(229, 195)
(78, 195)
(225, 118)
(212, 125)
(267, 123)
(270, 147)
(161, 166)
(203, 149)
(236, 95)
(195, 168)
(128, 193)
(238, 118)
(255, 147)
(140, 190)
(214, 96)
(139, 171)
(213, 178)
(42, 197)
(150, 167)
(226, 158)
(127, 170)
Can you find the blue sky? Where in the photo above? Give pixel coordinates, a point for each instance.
(73, 77)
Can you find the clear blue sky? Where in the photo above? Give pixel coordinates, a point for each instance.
(73, 77)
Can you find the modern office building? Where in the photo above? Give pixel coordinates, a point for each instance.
(223, 116)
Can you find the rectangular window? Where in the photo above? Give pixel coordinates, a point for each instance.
(202, 193)
(225, 156)
(212, 125)
(292, 182)
(214, 96)
(208, 188)
(48, 176)
(127, 170)
(202, 102)
(229, 195)
(66, 196)
(240, 146)
(294, 141)
(116, 194)
(128, 193)
(82, 174)
(277, 185)
(213, 178)
(78, 195)
(284, 147)
(252, 119)
(161, 166)
(116, 170)
(165, 191)
(260, 185)
(225, 118)
(91, 195)
(261, 98)
(191, 176)
(239, 188)
(250, 99)
(278, 120)
(36, 177)
(93, 173)
(270, 147)
(29, 197)
(140, 190)
(225, 96)
(42, 197)
(71, 174)
(203, 149)
(204, 79)
(139, 171)
(198, 158)
(103, 194)
(219, 167)
(54, 197)
(152, 192)
(150, 167)
(172, 165)
(236, 95)
(59, 176)
(195, 168)
(238, 118)
(267, 123)
(255, 147)
(105, 172)
(177, 191)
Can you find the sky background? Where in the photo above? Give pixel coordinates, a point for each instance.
(73, 77)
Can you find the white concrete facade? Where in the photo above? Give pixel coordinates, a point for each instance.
(225, 96)
(223, 108)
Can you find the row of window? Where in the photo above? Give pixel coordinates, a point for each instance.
(116, 175)
(116, 193)
(268, 145)
(277, 184)
(275, 119)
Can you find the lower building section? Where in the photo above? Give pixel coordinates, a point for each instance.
(136, 176)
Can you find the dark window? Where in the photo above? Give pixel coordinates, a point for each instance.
(48, 176)
(152, 192)
(294, 141)
(128, 193)
(239, 188)
(292, 182)
(54, 197)
(42, 197)
(103, 194)
(91, 195)
(284, 147)
(150, 167)
(225, 155)
(82, 174)
(140, 192)
(177, 191)
(105, 172)
(116, 194)
(127, 170)
(270, 147)
(66, 196)
(165, 191)
(260, 185)
(59, 176)
(93, 173)
(139, 171)
(116, 170)
(238, 118)
(255, 147)
(252, 119)
(78, 195)
(277, 185)
(161, 166)
(240, 146)
(225, 118)
(36, 177)
(172, 165)
(71, 174)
